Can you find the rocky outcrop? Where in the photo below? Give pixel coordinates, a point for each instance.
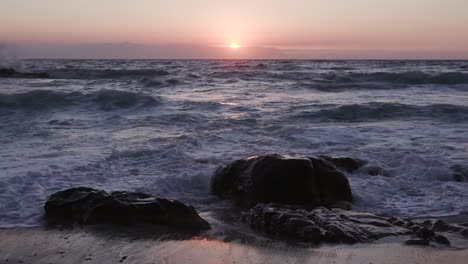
(322, 225)
(90, 206)
(12, 73)
(309, 182)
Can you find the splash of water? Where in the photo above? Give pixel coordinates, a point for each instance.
(8, 58)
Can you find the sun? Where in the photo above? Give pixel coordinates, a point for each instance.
(234, 45)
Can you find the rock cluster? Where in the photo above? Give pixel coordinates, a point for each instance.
(303, 199)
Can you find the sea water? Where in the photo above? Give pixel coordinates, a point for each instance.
(164, 126)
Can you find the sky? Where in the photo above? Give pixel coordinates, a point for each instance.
(298, 29)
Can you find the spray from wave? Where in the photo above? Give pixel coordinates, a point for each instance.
(8, 58)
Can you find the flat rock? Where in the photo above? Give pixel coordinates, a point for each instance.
(84, 205)
(307, 181)
(322, 225)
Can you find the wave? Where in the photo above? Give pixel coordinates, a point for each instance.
(412, 77)
(342, 79)
(105, 99)
(382, 111)
(91, 74)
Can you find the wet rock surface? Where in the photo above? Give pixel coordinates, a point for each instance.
(310, 181)
(346, 164)
(90, 206)
(12, 73)
(322, 225)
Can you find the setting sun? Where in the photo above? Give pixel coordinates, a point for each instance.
(234, 45)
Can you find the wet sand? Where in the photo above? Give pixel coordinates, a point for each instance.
(97, 245)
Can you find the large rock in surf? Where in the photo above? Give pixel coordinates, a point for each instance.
(310, 182)
(322, 225)
(90, 206)
(12, 73)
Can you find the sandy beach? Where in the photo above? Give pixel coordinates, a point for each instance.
(96, 245)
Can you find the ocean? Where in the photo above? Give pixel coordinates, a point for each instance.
(164, 126)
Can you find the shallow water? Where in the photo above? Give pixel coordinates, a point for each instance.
(164, 126)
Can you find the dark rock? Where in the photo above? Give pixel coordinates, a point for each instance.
(417, 242)
(12, 73)
(320, 224)
(309, 182)
(441, 239)
(7, 71)
(424, 233)
(440, 225)
(90, 206)
(460, 173)
(373, 170)
(459, 177)
(345, 163)
(342, 205)
(396, 221)
(464, 232)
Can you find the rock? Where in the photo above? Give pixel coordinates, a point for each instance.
(417, 242)
(320, 224)
(12, 73)
(90, 206)
(373, 170)
(309, 182)
(344, 163)
(441, 239)
(464, 232)
(424, 233)
(7, 72)
(440, 225)
(459, 177)
(342, 205)
(460, 173)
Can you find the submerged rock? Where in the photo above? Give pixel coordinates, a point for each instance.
(347, 164)
(340, 226)
(12, 73)
(460, 173)
(309, 181)
(90, 206)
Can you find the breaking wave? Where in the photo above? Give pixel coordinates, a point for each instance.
(91, 74)
(413, 77)
(379, 111)
(105, 99)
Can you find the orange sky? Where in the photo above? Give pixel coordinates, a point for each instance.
(293, 28)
